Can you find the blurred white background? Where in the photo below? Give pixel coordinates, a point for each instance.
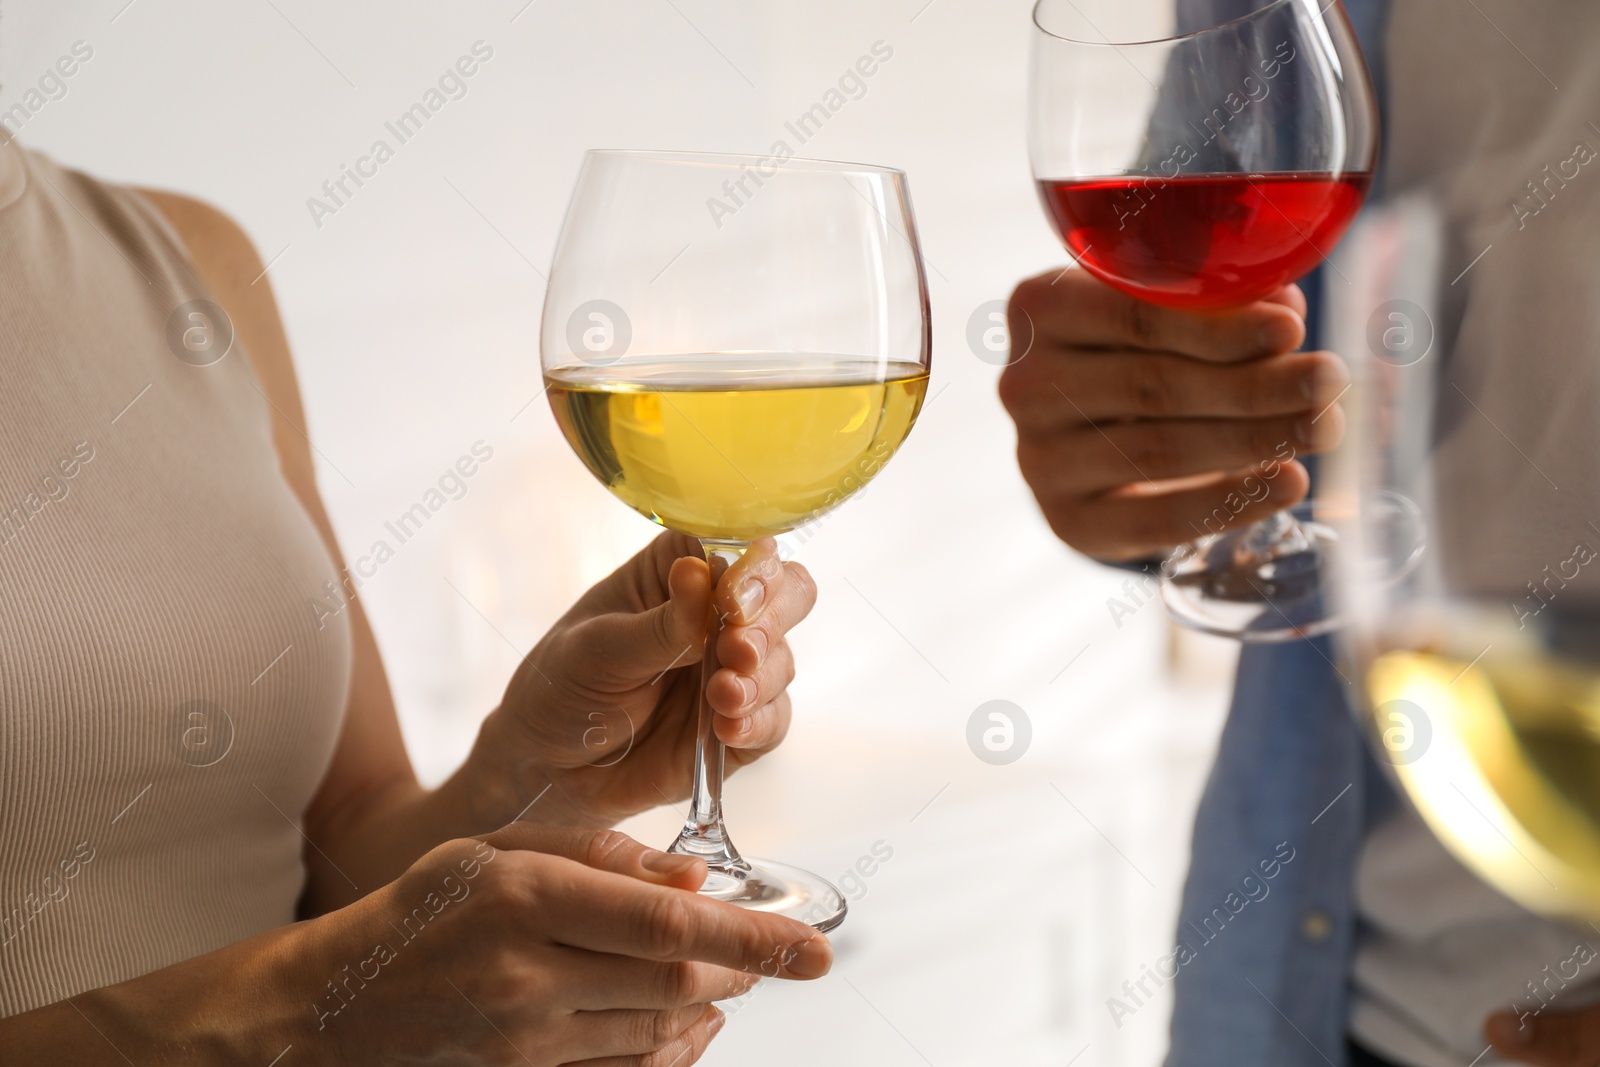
(1018, 898)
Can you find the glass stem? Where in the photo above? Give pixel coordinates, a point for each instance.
(704, 834)
(1272, 529)
(1278, 534)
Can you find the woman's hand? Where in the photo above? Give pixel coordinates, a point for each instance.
(528, 946)
(544, 946)
(604, 711)
(1141, 427)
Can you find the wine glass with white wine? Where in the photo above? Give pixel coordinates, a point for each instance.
(1479, 666)
(733, 345)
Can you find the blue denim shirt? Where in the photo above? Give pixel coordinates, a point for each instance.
(1269, 914)
(1266, 930)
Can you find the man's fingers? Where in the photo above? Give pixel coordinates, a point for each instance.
(583, 908)
(1077, 309)
(1136, 522)
(1291, 297)
(1063, 388)
(1548, 1039)
(1104, 457)
(604, 850)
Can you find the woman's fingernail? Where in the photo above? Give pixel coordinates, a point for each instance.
(812, 959)
(747, 686)
(758, 642)
(715, 1026)
(666, 863)
(748, 595)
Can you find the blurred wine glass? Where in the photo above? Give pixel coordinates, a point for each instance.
(1475, 619)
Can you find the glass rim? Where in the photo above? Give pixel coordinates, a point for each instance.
(1173, 39)
(741, 160)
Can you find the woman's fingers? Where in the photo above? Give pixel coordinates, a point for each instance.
(642, 582)
(598, 981)
(759, 599)
(628, 1031)
(748, 692)
(745, 643)
(735, 693)
(604, 850)
(758, 732)
(762, 590)
(577, 906)
(618, 650)
(748, 585)
(685, 1049)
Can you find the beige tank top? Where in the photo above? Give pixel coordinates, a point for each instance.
(168, 703)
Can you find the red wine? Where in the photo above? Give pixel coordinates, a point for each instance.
(1205, 240)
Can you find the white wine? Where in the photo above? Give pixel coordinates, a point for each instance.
(1494, 731)
(735, 448)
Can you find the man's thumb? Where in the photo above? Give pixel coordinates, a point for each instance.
(1548, 1038)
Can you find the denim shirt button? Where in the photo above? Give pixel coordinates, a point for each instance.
(1317, 926)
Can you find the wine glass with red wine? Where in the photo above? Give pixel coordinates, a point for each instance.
(1203, 154)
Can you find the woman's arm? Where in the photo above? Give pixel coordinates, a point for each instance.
(369, 817)
(529, 945)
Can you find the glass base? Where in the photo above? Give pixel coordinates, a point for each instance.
(1259, 583)
(764, 885)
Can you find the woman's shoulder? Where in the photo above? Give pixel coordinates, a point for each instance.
(226, 260)
(222, 252)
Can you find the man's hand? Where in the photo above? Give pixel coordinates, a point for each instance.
(1135, 423)
(1549, 1038)
(606, 707)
